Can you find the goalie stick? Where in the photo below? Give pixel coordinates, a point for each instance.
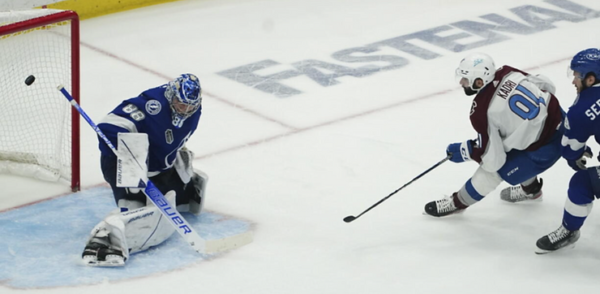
(182, 227)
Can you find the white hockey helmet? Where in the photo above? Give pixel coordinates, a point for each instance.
(476, 66)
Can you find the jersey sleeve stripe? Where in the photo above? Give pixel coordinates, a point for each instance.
(578, 210)
(573, 143)
(120, 122)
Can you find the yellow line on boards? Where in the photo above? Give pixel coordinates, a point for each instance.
(92, 8)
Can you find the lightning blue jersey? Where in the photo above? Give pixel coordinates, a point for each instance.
(150, 113)
(582, 122)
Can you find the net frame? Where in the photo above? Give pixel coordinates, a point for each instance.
(73, 18)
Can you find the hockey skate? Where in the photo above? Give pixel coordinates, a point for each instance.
(446, 206)
(104, 247)
(98, 253)
(522, 193)
(558, 239)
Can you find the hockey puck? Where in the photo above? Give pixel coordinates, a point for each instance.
(349, 218)
(29, 80)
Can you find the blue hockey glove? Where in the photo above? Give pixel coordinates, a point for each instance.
(460, 152)
(579, 164)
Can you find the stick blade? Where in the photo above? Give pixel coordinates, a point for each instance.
(349, 218)
(229, 243)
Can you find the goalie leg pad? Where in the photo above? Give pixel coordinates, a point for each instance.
(121, 234)
(146, 227)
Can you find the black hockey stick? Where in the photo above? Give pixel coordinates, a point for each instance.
(351, 218)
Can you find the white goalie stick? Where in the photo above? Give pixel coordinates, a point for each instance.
(179, 223)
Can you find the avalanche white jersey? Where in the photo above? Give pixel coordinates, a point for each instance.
(512, 112)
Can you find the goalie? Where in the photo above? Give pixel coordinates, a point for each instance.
(150, 131)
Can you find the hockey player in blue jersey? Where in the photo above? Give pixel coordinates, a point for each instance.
(580, 124)
(161, 120)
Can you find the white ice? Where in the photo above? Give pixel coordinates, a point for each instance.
(297, 166)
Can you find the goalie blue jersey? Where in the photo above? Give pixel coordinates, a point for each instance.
(150, 113)
(582, 122)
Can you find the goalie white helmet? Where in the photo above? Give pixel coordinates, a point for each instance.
(475, 66)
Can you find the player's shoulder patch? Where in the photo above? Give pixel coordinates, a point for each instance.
(153, 107)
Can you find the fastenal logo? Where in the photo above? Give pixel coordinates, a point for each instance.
(363, 60)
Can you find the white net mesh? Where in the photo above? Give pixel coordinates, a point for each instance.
(35, 121)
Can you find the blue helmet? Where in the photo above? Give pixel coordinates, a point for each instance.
(587, 61)
(185, 95)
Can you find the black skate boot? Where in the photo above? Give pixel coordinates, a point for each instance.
(445, 206)
(556, 240)
(520, 193)
(98, 253)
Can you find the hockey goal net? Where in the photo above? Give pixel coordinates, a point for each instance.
(39, 132)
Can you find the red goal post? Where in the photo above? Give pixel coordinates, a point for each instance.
(39, 131)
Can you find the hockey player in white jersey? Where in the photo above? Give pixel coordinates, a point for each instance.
(150, 131)
(518, 121)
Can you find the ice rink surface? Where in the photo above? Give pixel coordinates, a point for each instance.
(315, 110)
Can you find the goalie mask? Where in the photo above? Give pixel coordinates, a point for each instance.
(475, 66)
(185, 96)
